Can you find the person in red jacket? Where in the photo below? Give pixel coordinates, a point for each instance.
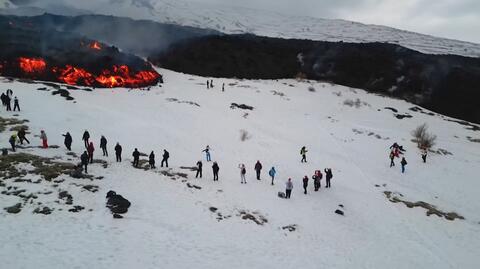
(90, 150)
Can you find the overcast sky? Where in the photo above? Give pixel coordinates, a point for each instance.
(457, 19)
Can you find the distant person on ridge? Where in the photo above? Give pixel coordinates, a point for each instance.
(21, 135)
(136, 157)
(165, 157)
(85, 138)
(199, 169)
(84, 158)
(43, 137)
(15, 104)
(151, 160)
(272, 173)
(208, 84)
(258, 169)
(103, 145)
(303, 152)
(90, 151)
(288, 188)
(328, 176)
(68, 141)
(118, 152)
(215, 169)
(403, 163)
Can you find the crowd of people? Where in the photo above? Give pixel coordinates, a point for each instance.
(86, 158)
(7, 101)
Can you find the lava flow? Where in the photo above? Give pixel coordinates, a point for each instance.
(116, 76)
(32, 65)
(95, 45)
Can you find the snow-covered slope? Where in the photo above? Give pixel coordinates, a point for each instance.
(243, 20)
(171, 225)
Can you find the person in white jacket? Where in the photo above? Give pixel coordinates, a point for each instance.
(289, 188)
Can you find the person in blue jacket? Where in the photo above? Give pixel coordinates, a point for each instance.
(272, 173)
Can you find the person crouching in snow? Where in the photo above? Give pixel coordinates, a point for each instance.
(43, 136)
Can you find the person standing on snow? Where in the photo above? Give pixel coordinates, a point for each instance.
(208, 84)
(243, 171)
(317, 178)
(21, 135)
(15, 104)
(303, 152)
(424, 155)
(272, 173)
(328, 176)
(258, 169)
(136, 157)
(8, 101)
(403, 163)
(84, 158)
(199, 169)
(68, 141)
(207, 153)
(3, 97)
(151, 160)
(165, 157)
(43, 136)
(305, 184)
(288, 188)
(118, 152)
(103, 145)
(85, 138)
(215, 169)
(90, 151)
(392, 157)
(13, 140)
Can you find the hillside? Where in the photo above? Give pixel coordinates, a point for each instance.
(237, 20)
(177, 221)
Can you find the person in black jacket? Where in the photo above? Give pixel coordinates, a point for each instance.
(118, 152)
(21, 135)
(68, 141)
(136, 157)
(7, 102)
(305, 184)
(15, 104)
(85, 138)
(215, 169)
(328, 176)
(166, 155)
(199, 169)
(116, 203)
(84, 158)
(103, 145)
(258, 169)
(403, 163)
(151, 160)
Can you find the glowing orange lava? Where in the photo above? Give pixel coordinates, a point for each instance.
(32, 65)
(74, 75)
(95, 45)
